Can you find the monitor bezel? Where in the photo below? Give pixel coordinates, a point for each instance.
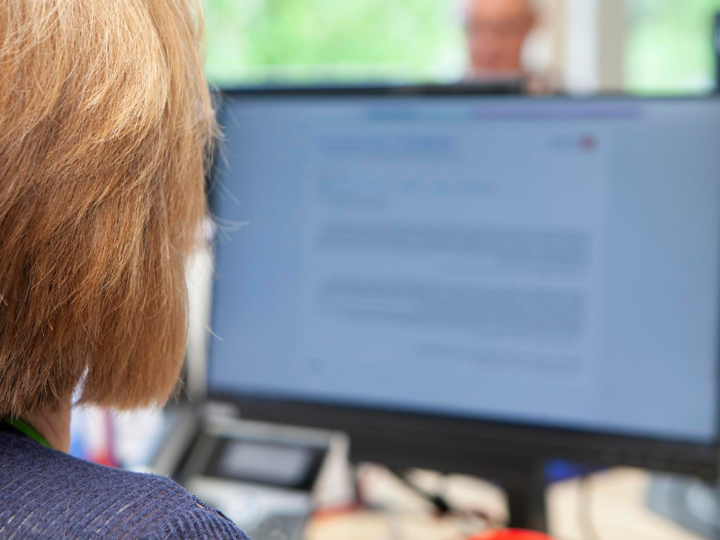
(452, 443)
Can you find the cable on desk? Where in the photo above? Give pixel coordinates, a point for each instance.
(466, 522)
(441, 505)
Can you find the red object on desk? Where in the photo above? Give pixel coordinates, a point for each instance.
(511, 534)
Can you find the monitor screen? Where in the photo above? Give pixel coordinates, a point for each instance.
(544, 262)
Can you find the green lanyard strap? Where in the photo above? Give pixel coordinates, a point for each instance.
(27, 430)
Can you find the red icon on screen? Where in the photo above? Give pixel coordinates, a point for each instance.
(588, 143)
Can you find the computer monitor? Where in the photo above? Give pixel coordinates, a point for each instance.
(459, 279)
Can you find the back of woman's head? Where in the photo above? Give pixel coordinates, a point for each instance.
(105, 128)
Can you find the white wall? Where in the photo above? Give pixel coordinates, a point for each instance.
(590, 44)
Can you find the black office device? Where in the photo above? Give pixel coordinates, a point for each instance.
(473, 283)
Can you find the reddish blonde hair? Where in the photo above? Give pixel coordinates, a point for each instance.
(105, 129)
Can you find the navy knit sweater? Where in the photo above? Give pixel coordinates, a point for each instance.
(46, 494)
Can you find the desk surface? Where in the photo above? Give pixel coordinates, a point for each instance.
(617, 503)
(617, 506)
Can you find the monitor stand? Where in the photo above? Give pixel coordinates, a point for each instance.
(525, 489)
(687, 502)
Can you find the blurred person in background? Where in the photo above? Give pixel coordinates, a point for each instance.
(496, 32)
(106, 129)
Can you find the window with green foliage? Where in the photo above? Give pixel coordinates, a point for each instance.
(668, 42)
(344, 41)
(670, 45)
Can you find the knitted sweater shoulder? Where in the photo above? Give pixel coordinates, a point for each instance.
(46, 494)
